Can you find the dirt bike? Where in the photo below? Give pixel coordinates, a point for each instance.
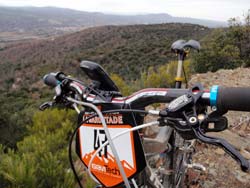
(108, 140)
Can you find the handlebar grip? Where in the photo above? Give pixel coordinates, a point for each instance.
(50, 80)
(233, 98)
(60, 76)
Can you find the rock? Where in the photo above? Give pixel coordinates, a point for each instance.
(211, 165)
(212, 171)
(241, 176)
(153, 146)
(209, 184)
(151, 131)
(245, 153)
(242, 133)
(219, 151)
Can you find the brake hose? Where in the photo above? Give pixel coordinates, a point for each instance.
(92, 89)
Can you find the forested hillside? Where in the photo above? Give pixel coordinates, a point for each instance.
(125, 50)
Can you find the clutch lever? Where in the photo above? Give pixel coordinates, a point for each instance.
(245, 164)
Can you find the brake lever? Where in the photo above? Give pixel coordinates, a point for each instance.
(46, 105)
(245, 164)
(186, 104)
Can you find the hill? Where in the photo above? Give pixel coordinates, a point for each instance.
(22, 23)
(125, 50)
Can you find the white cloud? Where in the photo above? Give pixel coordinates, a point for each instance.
(209, 9)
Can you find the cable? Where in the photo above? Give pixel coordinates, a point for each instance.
(80, 82)
(88, 87)
(71, 160)
(76, 129)
(132, 115)
(134, 183)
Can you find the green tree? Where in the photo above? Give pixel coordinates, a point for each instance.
(163, 76)
(226, 48)
(41, 159)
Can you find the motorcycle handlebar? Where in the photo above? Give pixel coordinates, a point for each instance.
(224, 99)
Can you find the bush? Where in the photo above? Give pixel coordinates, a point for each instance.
(41, 159)
(225, 48)
(163, 76)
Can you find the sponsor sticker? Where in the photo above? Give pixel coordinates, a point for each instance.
(104, 166)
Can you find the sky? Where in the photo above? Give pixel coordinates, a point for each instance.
(220, 10)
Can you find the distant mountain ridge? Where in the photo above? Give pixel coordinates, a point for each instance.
(49, 18)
